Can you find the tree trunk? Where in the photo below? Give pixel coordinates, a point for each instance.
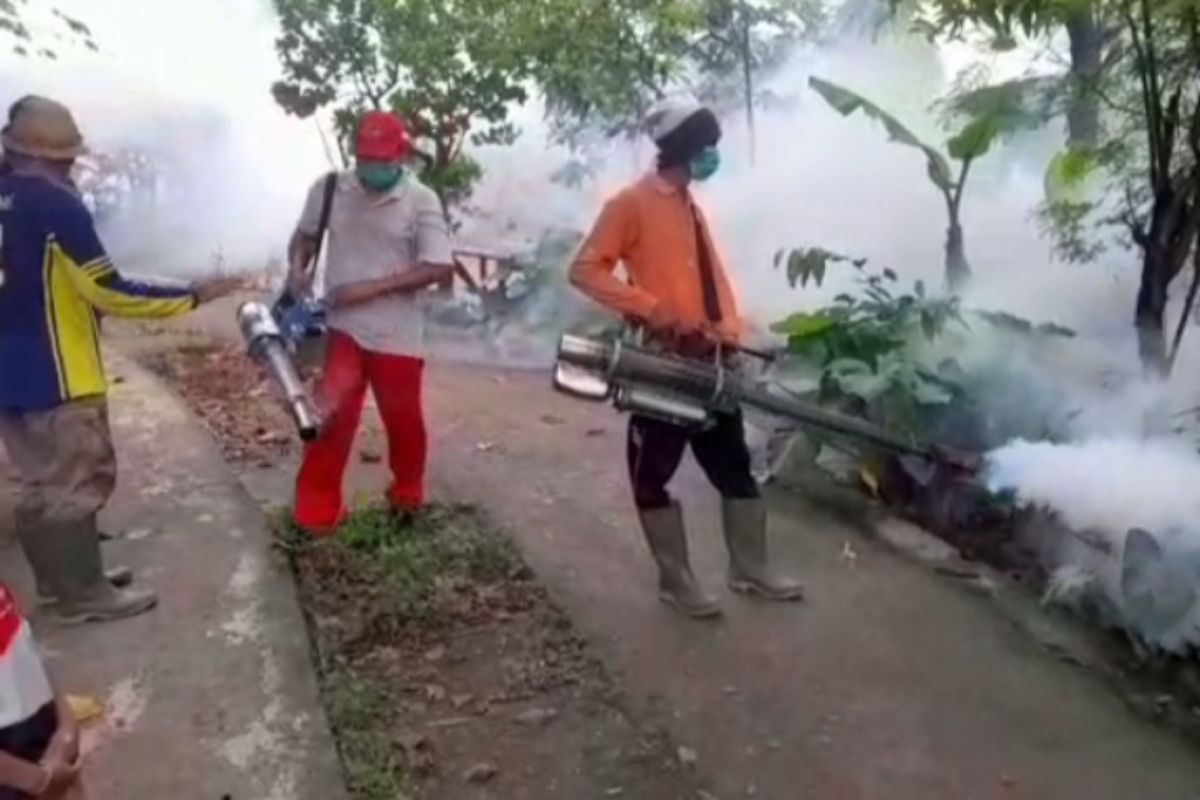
(748, 83)
(1165, 249)
(1087, 55)
(958, 270)
(1150, 313)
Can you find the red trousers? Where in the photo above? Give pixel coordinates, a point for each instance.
(341, 389)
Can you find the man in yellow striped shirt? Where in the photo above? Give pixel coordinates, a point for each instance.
(54, 277)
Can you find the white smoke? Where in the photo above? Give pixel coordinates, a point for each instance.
(188, 81)
(1136, 502)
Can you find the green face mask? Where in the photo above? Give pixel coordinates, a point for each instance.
(705, 164)
(379, 176)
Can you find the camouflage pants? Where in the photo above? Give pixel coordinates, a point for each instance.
(65, 465)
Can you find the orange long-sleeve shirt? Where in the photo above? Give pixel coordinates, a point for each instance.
(650, 229)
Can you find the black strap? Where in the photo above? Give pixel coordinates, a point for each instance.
(326, 209)
(708, 280)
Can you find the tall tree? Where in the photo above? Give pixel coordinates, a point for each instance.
(450, 68)
(29, 38)
(1088, 26)
(601, 64)
(1149, 165)
(738, 39)
(627, 54)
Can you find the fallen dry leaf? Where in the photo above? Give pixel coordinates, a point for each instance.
(536, 716)
(482, 772)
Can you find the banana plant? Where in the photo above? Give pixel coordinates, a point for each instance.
(968, 145)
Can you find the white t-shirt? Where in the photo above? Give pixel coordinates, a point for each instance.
(24, 684)
(374, 235)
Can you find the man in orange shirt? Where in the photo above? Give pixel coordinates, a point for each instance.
(677, 288)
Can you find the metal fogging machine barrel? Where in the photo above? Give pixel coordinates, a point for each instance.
(689, 391)
(268, 346)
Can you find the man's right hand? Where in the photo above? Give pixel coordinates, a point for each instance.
(665, 323)
(215, 288)
(299, 282)
(63, 775)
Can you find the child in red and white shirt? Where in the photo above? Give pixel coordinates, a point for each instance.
(39, 738)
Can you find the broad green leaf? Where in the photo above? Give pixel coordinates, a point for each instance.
(846, 102)
(1020, 104)
(1003, 319)
(808, 264)
(1015, 324)
(975, 139)
(1053, 329)
(801, 325)
(849, 366)
(1067, 175)
(857, 378)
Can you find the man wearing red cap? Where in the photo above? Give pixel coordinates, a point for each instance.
(388, 240)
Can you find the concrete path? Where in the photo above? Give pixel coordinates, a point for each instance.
(213, 695)
(892, 683)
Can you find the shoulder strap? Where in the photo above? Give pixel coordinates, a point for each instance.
(708, 280)
(326, 205)
(330, 189)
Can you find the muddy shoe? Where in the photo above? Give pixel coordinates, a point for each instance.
(78, 578)
(749, 570)
(677, 586)
(118, 577)
(689, 599)
(106, 605)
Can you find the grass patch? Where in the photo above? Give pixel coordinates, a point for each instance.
(420, 553)
(359, 712)
(410, 562)
(385, 583)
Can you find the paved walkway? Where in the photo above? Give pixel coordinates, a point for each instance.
(212, 696)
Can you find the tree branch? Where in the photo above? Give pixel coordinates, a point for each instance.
(1149, 99)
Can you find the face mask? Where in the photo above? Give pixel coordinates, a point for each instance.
(705, 164)
(379, 176)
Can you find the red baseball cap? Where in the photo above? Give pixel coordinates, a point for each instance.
(381, 137)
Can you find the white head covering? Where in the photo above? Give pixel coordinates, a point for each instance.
(669, 114)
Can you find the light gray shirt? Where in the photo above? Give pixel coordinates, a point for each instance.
(372, 236)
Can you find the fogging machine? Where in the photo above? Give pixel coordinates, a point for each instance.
(273, 347)
(689, 392)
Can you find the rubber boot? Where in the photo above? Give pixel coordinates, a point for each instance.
(78, 581)
(677, 585)
(119, 577)
(750, 572)
(40, 555)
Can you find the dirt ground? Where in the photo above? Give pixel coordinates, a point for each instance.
(891, 682)
(487, 691)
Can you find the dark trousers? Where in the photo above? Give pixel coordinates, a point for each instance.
(655, 449)
(28, 741)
